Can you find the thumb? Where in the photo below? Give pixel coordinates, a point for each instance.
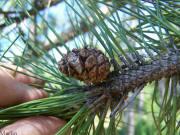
(14, 92)
(38, 125)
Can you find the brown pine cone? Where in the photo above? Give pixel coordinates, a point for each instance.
(86, 64)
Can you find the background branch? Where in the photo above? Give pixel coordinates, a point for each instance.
(19, 16)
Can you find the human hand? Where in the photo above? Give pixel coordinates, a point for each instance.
(14, 89)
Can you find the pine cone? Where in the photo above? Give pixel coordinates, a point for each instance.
(86, 64)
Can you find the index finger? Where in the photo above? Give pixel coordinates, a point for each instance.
(21, 74)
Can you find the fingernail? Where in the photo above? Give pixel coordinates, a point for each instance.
(35, 94)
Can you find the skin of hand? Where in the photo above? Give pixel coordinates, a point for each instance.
(14, 89)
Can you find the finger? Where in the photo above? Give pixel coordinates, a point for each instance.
(14, 92)
(20, 74)
(8, 68)
(28, 79)
(38, 125)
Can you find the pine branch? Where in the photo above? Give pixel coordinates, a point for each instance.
(114, 88)
(128, 80)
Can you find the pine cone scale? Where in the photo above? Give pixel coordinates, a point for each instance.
(90, 62)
